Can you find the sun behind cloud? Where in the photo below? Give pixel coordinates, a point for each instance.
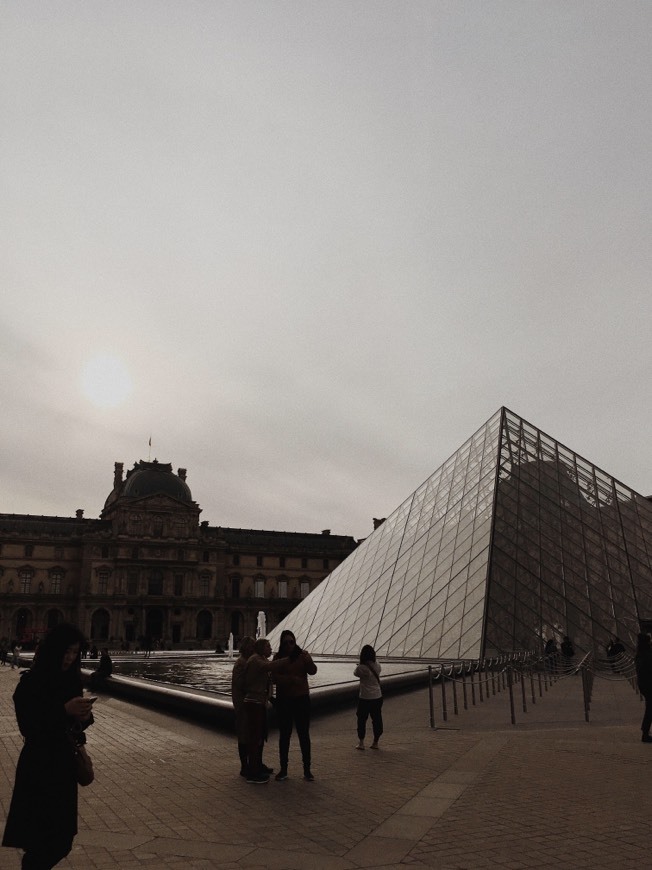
(106, 381)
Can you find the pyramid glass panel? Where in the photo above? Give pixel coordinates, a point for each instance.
(514, 539)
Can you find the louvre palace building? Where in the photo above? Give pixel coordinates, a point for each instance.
(148, 568)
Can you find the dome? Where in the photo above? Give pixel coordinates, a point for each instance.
(155, 478)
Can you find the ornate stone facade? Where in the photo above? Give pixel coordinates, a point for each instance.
(148, 568)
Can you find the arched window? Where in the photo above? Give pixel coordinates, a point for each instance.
(53, 618)
(236, 624)
(155, 583)
(204, 625)
(305, 588)
(56, 579)
(25, 580)
(100, 625)
(259, 587)
(205, 584)
(235, 586)
(282, 587)
(102, 581)
(23, 624)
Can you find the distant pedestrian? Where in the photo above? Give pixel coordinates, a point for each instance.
(3, 652)
(370, 700)
(15, 655)
(103, 671)
(643, 661)
(567, 649)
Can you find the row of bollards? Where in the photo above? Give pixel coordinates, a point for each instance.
(522, 676)
(481, 680)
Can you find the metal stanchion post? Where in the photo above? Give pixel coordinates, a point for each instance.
(466, 700)
(444, 709)
(431, 699)
(511, 695)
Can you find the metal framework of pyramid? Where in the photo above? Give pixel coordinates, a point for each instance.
(513, 540)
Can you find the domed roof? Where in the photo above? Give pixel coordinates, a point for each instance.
(153, 478)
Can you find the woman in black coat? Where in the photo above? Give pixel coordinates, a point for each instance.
(49, 706)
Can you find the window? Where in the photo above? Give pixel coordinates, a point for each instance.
(206, 556)
(325, 564)
(25, 580)
(259, 588)
(281, 561)
(259, 561)
(58, 552)
(181, 555)
(305, 588)
(155, 583)
(282, 588)
(29, 549)
(105, 552)
(236, 559)
(304, 563)
(56, 576)
(235, 587)
(132, 583)
(178, 584)
(204, 585)
(102, 582)
(135, 552)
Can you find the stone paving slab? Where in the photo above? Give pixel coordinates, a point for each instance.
(475, 792)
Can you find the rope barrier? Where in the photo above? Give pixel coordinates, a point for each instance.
(488, 675)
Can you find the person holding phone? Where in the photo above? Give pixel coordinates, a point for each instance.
(50, 706)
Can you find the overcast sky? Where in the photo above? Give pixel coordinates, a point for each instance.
(319, 244)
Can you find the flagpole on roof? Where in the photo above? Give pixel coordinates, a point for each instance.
(149, 452)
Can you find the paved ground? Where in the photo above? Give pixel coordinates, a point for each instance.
(552, 791)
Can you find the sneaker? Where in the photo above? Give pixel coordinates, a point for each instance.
(243, 772)
(646, 738)
(308, 776)
(281, 776)
(258, 780)
(269, 770)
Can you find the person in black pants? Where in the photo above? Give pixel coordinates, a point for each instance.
(370, 700)
(643, 662)
(293, 703)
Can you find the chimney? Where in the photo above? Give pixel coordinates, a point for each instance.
(182, 473)
(325, 531)
(79, 513)
(378, 522)
(117, 474)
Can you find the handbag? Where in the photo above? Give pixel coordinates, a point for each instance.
(82, 762)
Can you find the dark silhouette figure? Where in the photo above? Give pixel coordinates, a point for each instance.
(50, 709)
(567, 649)
(643, 660)
(293, 702)
(103, 671)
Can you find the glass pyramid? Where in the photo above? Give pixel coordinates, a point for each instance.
(513, 540)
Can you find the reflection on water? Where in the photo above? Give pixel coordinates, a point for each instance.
(214, 674)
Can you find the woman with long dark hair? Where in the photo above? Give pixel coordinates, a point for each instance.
(643, 660)
(370, 699)
(50, 709)
(293, 702)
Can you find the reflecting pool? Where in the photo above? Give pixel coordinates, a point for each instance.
(213, 673)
